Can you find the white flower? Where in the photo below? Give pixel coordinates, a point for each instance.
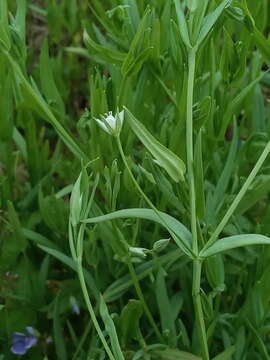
(111, 124)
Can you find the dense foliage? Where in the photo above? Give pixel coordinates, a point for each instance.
(134, 178)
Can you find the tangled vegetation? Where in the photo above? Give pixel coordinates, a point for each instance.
(134, 179)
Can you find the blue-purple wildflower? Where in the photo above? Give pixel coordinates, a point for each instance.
(21, 342)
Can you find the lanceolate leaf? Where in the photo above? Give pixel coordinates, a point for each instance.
(263, 44)
(226, 354)
(129, 320)
(183, 28)
(33, 97)
(176, 226)
(110, 328)
(236, 103)
(210, 20)
(72, 264)
(174, 354)
(232, 242)
(48, 85)
(109, 55)
(174, 166)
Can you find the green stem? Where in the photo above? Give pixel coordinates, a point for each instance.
(239, 196)
(144, 196)
(45, 111)
(86, 295)
(196, 294)
(141, 297)
(92, 312)
(122, 92)
(139, 189)
(82, 340)
(190, 158)
(197, 265)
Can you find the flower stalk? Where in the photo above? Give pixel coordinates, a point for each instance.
(197, 264)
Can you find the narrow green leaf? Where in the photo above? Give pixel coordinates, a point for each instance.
(259, 190)
(215, 272)
(174, 166)
(20, 17)
(226, 354)
(260, 343)
(263, 45)
(137, 63)
(20, 142)
(199, 177)
(218, 199)
(210, 20)
(60, 345)
(6, 123)
(109, 55)
(192, 5)
(48, 85)
(4, 29)
(173, 354)
(42, 108)
(235, 241)
(110, 328)
(165, 308)
(137, 47)
(39, 239)
(134, 15)
(72, 264)
(76, 202)
(179, 229)
(16, 228)
(121, 285)
(234, 105)
(129, 320)
(258, 110)
(182, 24)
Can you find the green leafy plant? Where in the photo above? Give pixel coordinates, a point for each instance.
(134, 179)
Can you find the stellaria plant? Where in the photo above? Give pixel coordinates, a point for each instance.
(164, 211)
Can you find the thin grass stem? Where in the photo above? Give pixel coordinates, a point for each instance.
(142, 299)
(239, 197)
(197, 265)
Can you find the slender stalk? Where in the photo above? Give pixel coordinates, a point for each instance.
(86, 295)
(197, 265)
(92, 312)
(122, 91)
(46, 112)
(189, 140)
(239, 196)
(142, 299)
(139, 189)
(82, 340)
(147, 200)
(196, 294)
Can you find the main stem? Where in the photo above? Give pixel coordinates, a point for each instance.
(86, 295)
(197, 265)
(92, 312)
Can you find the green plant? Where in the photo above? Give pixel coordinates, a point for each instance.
(152, 242)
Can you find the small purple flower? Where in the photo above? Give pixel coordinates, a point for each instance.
(21, 342)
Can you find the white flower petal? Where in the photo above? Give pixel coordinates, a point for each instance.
(121, 116)
(102, 125)
(110, 119)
